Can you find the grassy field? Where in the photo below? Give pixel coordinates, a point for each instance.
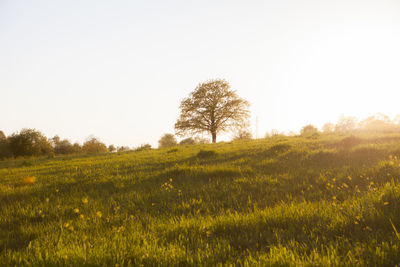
(284, 201)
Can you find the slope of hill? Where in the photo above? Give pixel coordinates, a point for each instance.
(330, 200)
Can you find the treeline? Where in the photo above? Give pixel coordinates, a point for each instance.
(378, 123)
(30, 142)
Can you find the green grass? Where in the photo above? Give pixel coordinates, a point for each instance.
(286, 201)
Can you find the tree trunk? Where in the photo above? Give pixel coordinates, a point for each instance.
(214, 137)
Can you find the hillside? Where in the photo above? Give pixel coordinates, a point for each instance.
(329, 200)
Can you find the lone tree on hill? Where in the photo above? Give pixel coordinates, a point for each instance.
(212, 107)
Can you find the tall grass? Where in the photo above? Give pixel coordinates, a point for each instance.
(287, 201)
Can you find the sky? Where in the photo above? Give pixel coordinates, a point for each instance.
(118, 70)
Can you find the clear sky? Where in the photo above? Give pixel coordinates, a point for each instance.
(119, 69)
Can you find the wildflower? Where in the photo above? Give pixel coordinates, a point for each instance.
(153, 204)
(358, 217)
(385, 203)
(334, 179)
(66, 225)
(355, 222)
(76, 210)
(334, 198)
(71, 228)
(81, 216)
(85, 200)
(29, 180)
(99, 214)
(47, 199)
(349, 177)
(345, 185)
(170, 179)
(57, 190)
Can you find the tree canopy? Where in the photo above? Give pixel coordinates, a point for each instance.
(29, 142)
(93, 145)
(212, 107)
(167, 140)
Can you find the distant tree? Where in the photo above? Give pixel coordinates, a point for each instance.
(77, 148)
(29, 142)
(377, 123)
(396, 120)
(55, 140)
(4, 146)
(346, 124)
(201, 140)
(2, 136)
(309, 130)
(328, 128)
(243, 134)
(122, 148)
(167, 140)
(111, 148)
(274, 132)
(212, 107)
(187, 141)
(143, 147)
(93, 146)
(63, 147)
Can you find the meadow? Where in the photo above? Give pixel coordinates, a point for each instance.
(328, 200)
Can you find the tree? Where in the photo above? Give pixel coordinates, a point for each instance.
(93, 145)
(346, 124)
(4, 146)
(328, 128)
(29, 142)
(377, 123)
(309, 130)
(212, 107)
(167, 140)
(187, 141)
(111, 148)
(243, 134)
(76, 148)
(273, 133)
(2, 136)
(143, 147)
(62, 146)
(122, 148)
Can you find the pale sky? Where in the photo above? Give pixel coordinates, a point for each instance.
(119, 69)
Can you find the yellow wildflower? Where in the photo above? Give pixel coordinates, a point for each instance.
(76, 210)
(99, 214)
(84, 200)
